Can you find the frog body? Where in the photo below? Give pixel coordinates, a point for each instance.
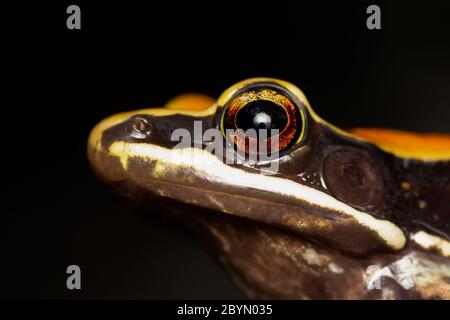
(325, 214)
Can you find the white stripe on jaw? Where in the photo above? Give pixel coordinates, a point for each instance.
(215, 170)
(428, 242)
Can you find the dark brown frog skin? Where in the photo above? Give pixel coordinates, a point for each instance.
(340, 218)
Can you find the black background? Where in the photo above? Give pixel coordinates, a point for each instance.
(58, 83)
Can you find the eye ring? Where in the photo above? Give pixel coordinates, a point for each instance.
(270, 105)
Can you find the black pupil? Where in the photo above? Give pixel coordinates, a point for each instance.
(261, 114)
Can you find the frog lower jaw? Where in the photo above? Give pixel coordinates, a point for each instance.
(270, 263)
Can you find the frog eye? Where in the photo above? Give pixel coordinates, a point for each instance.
(267, 108)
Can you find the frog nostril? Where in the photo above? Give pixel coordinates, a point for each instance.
(141, 127)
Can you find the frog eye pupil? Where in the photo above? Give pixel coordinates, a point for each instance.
(261, 114)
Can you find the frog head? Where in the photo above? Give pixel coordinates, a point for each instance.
(261, 161)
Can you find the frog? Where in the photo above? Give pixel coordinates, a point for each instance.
(308, 211)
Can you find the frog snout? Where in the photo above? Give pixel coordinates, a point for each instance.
(104, 165)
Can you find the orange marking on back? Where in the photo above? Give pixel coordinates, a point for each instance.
(426, 146)
(190, 101)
